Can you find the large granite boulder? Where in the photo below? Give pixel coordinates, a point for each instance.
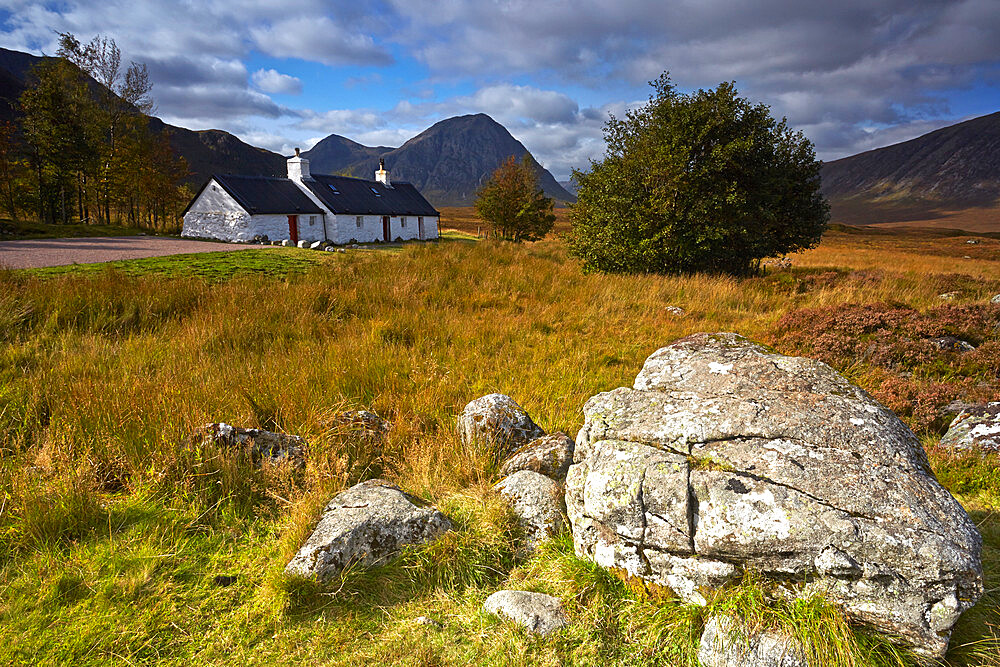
(366, 525)
(550, 455)
(976, 428)
(726, 643)
(537, 501)
(537, 613)
(725, 457)
(263, 446)
(497, 419)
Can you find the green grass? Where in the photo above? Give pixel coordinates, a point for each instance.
(113, 527)
(30, 229)
(210, 266)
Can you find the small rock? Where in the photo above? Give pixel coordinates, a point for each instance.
(972, 241)
(331, 249)
(550, 455)
(948, 296)
(536, 612)
(287, 243)
(975, 428)
(263, 445)
(995, 299)
(951, 344)
(425, 620)
(497, 419)
(367, 525)
(724, 644)
(317, 245)
(341, 250)
(955, 407)
(303, 244)
(538, 503)
(676, 311)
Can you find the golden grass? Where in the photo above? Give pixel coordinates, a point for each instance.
(111, 514)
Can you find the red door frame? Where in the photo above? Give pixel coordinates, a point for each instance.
(293, 228)
(386, 230)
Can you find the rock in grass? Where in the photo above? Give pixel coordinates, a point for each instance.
(951, 344)
(976, 428)
(366, 525)
(725, 457)
(264, 446)
(995, 299)
(538, 503)
(550, 455)
(536, 612)
(724, 643)
(497, 419)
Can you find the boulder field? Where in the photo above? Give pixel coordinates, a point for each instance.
(722, 458)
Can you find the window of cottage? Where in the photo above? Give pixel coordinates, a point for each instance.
(360, 220)
(402, 221)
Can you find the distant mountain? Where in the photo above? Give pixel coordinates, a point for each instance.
(448, 162)
(570, 186)
(336, 153)
(206, 151)
(954, 168)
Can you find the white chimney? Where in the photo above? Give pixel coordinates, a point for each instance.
(382, 176)
(298, 167)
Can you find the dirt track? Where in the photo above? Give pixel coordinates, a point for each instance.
(34, 253)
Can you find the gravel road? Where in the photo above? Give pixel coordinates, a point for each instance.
(34, 253)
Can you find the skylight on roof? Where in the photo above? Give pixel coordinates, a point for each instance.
(377, 193)
(334, 188)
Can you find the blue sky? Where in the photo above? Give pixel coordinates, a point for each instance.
(851, 75)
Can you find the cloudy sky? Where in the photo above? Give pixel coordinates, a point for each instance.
(851, 74)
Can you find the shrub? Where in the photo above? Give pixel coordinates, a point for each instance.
(699, 182)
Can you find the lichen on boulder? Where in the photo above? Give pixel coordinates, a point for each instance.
(366, 525)
(726, 457)
(498, 420)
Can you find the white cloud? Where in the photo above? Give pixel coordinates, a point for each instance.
(319, 39)
(272, 81)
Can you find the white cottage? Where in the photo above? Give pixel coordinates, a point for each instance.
(307, 207)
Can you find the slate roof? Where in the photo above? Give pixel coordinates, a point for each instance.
(342, 194)
(264, 194)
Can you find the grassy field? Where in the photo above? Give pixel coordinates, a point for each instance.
(30, 229)
(113, 529)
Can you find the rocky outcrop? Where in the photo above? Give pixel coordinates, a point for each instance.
(537, 501)
(366, 525)
(497, 419)
(724, 643)
(550, 455)
(976, 428)
(264, 446)
(725, 457)
(536, 612)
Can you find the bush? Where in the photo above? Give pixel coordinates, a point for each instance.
(512, 203)
(699, 182)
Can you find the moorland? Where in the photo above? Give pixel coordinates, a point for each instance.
(120, 542)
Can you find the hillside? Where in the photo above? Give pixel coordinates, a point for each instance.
(952, 169)
(447, 162)
(206, 151)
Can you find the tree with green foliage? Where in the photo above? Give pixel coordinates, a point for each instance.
(86, 132)
(700, 182)
(512, 203)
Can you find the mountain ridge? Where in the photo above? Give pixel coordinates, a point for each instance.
(448, 162)
(953, 168)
